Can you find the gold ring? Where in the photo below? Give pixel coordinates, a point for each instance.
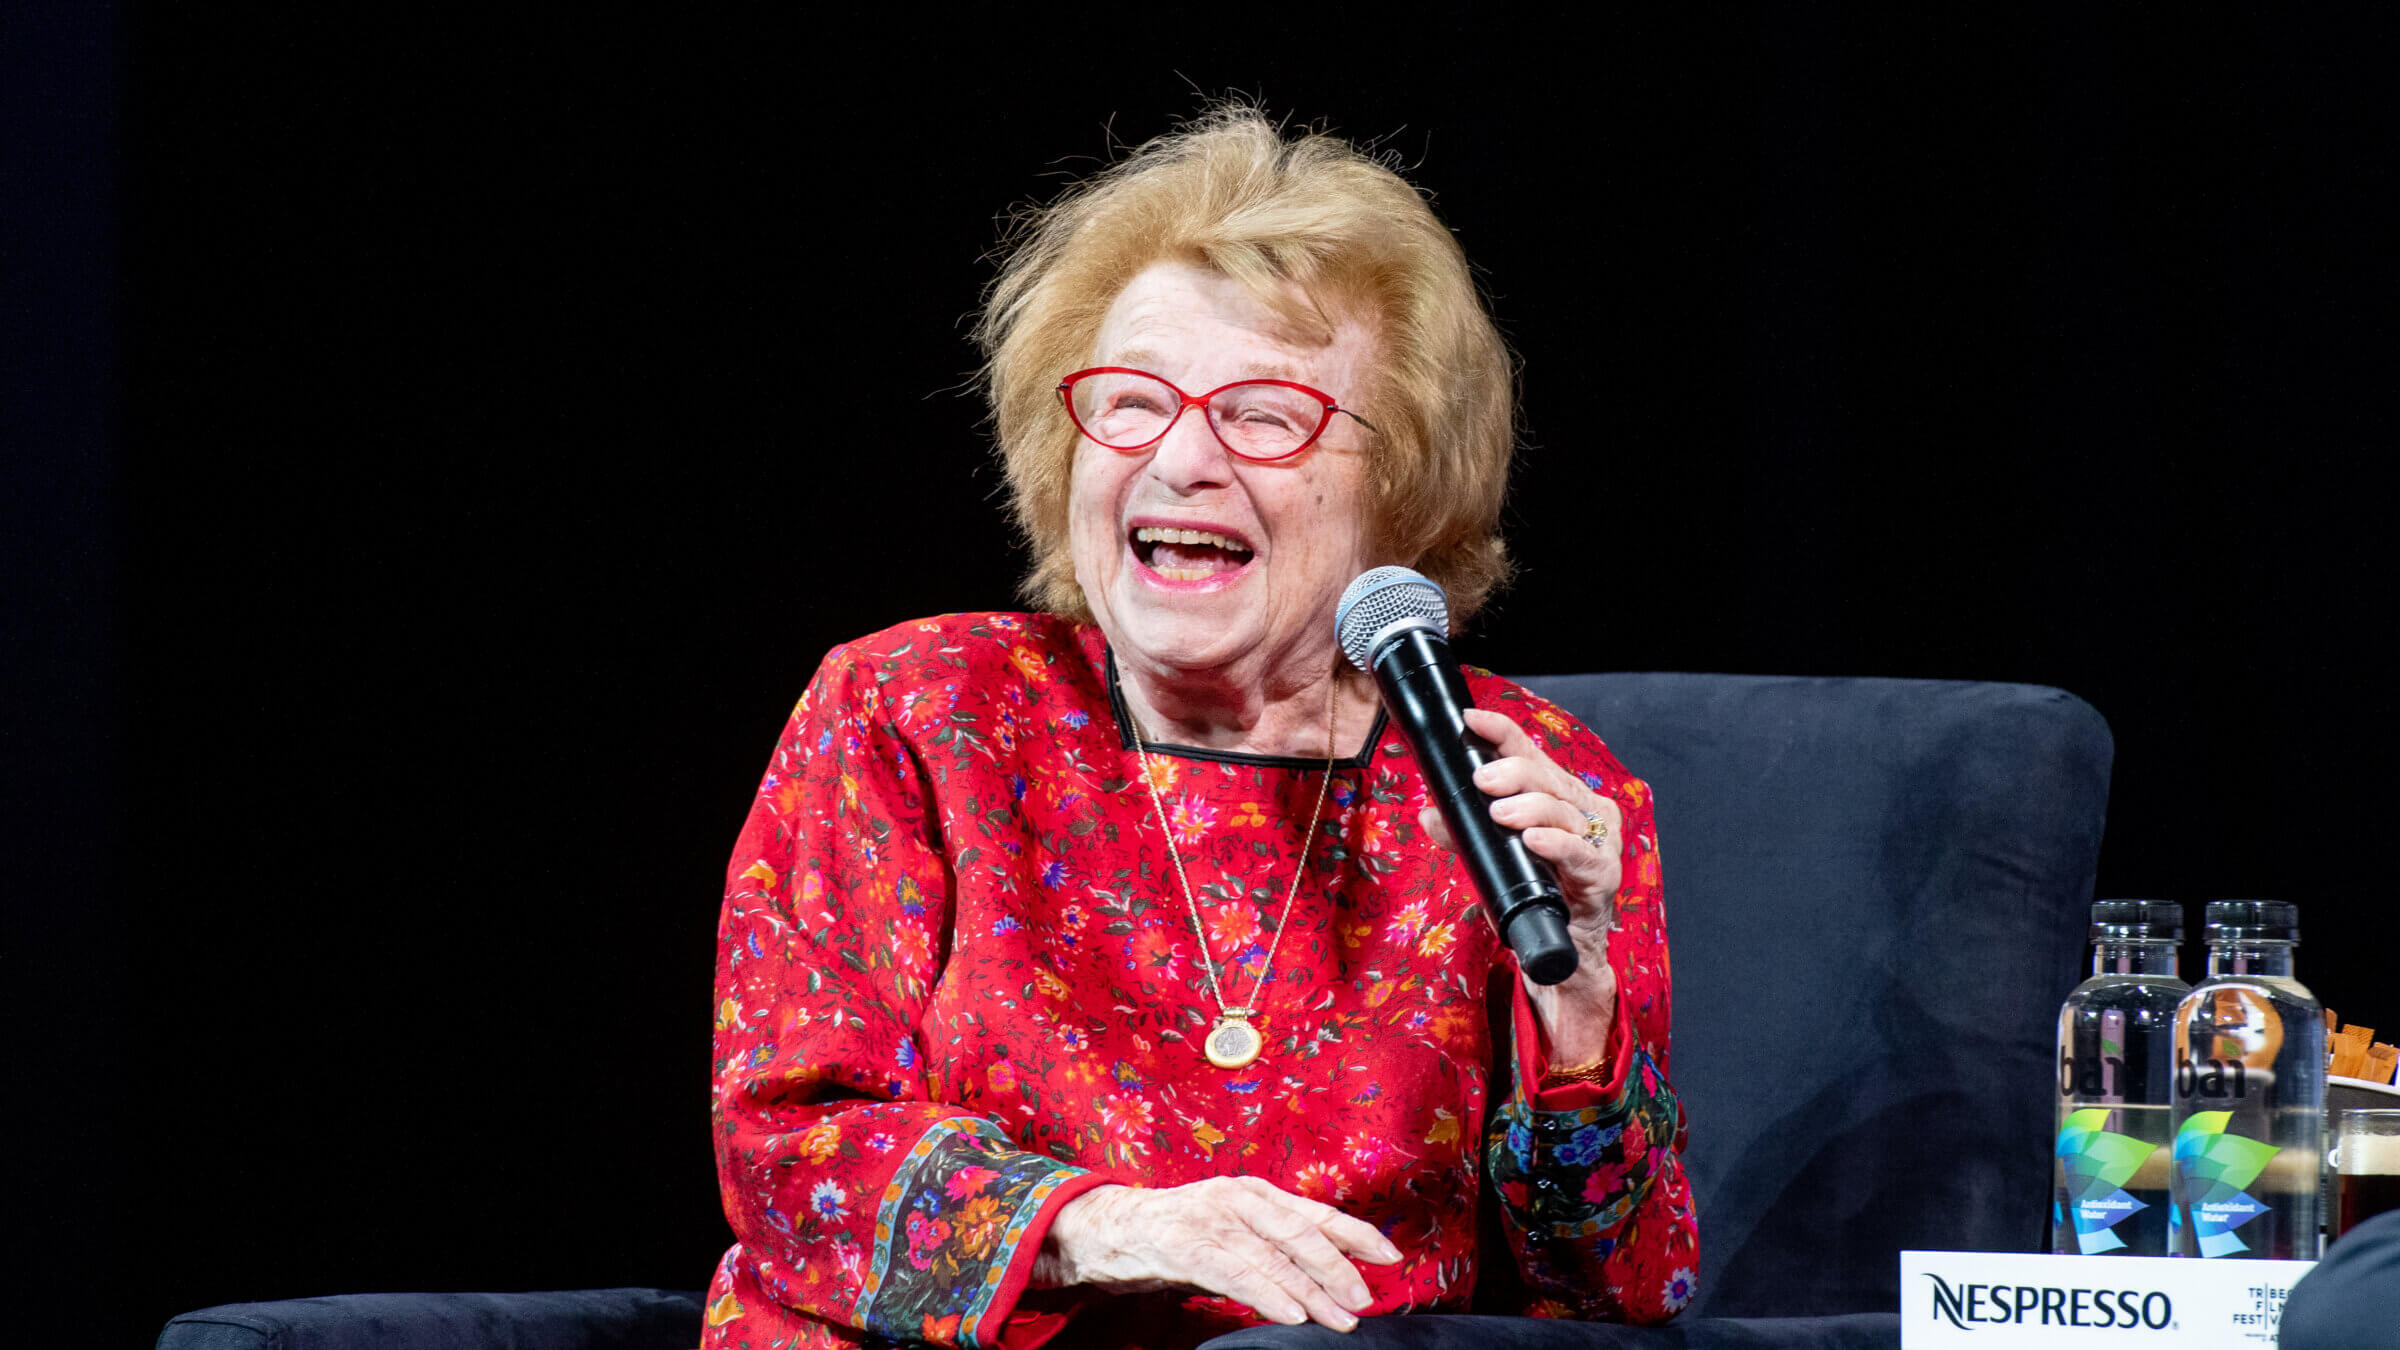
(1594, 828)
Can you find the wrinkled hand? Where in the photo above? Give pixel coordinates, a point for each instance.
(1240, 1237)
(1533, 794)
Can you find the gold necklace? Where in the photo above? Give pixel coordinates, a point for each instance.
(1233, 1043)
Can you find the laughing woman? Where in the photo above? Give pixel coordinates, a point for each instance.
(1097, 975)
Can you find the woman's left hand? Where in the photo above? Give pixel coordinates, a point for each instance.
(1549, 805)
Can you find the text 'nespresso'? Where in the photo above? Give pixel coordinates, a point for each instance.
(2048, 1305)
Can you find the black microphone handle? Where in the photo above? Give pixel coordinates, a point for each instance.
(1425, 694)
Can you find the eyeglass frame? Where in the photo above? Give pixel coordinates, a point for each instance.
(1066, 396)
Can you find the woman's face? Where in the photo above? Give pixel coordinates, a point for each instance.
(1252, 600)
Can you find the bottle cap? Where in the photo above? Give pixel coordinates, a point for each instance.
(2253, 921)
(2137, 921)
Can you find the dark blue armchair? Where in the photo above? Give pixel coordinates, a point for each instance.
(1875, 894)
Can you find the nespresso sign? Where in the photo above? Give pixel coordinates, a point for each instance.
(1998, 1300)
(2048, 1305)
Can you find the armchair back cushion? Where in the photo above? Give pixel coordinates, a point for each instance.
(1876, 896)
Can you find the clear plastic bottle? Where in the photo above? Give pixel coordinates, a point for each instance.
(2249, 1093)
(2116, 1075)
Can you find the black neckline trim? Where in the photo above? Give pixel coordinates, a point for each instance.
(1116, 706)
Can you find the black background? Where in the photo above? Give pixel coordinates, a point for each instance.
(450, 442)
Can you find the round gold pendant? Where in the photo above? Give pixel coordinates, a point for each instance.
(1233, 1043)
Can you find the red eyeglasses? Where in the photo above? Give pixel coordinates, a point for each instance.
(1264, 420)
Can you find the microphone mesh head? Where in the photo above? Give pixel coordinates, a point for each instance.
(1381, 597)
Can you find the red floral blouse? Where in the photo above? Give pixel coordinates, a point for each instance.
(958, 985)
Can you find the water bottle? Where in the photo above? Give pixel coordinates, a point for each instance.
(2116, 1074)
(2249, 1093)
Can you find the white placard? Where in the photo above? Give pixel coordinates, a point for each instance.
(2003, 1300)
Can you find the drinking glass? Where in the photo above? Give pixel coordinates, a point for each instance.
(2366, 1168)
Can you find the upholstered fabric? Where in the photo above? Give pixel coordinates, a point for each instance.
(1863, 1331)
(2351, 1301)
(1876, 896)
(584, 1319)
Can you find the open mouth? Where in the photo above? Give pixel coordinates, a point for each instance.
(1189, 555)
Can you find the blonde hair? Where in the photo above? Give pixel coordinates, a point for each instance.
(1228, 192)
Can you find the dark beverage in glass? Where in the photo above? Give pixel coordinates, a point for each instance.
(2361, 1198)
(2366, 1179)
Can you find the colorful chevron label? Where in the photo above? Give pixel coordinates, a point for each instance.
(2096, 1164)
(2215, 1166)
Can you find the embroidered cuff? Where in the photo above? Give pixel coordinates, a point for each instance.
(1576, 1174)
(956, 1233)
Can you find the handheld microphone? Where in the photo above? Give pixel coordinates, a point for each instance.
(1394, 624)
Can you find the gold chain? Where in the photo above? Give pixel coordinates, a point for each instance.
(1208, 961)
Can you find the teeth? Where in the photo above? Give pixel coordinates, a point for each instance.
(1151, 534)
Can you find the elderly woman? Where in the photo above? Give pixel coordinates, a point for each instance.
(1007, 873)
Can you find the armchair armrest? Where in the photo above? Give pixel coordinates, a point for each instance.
(1434, 1331)
(582, 1319)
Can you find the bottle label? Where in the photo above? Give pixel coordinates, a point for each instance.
(2097, 1164)
(2215, 1166)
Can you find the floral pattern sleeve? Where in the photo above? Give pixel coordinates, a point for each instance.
(860, 1200)
(1595, 1205)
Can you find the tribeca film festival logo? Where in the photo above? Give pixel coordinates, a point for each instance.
(2048, 1305)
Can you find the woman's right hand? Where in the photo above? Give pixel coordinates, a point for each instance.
(1284, 1255)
